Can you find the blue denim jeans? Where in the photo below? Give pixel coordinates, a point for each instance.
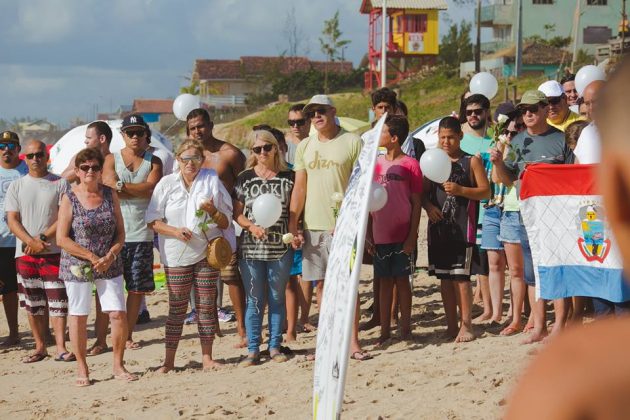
(265, 282)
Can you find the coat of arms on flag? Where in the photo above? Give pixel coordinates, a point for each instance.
(573, 248)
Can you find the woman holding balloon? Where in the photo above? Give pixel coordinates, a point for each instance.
(261, 208)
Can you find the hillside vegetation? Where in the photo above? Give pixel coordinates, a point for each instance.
(427, 98)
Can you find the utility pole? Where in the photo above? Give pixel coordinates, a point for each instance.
(518, 61)
(624, 25)
(384, 45)
(478, 47)
(576, 34)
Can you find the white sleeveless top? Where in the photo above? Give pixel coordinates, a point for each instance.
(134, 209)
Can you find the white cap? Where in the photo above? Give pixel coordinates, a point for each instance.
(318, 100)
(551, 89)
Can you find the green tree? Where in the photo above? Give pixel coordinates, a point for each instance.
(331, 43)
(456, 46)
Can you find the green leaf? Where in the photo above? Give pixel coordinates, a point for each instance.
(199, 213)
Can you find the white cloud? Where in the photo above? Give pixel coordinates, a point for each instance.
(46, 21)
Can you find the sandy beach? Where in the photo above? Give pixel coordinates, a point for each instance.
(430, 377)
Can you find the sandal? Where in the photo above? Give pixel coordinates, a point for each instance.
(361, 356)
(133, 345)
(279, 357)
(66, 356)
(97, 349)
(82, 382)
(250, 360)
(126, 376)
(509, 330)
(37, 357)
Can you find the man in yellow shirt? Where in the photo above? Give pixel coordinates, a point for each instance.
(560, 116)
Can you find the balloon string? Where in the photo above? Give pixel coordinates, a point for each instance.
(412, 263)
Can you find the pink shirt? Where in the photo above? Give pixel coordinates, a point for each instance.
(401, 178)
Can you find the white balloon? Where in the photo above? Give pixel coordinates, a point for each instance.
(484, 83)
(378, 197)
(436, 165)
(267, 210)
(183, 104)
(586, 75)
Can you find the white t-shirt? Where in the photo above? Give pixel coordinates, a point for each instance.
(589, 148)
(176, 206)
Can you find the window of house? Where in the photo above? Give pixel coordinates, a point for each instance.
(416, 23)
(597, 2)
(542, 1)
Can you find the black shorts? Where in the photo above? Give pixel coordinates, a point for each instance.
(391, 261)
(480, 263)
(8, 273)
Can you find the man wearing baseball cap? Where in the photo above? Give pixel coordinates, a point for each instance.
(539, 143)
(133, 173)
(11, 168)
(323, 164)
(560, 116)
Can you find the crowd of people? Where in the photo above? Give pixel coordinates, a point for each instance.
(95, 226)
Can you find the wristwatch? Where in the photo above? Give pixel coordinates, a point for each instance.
(119, 186)
(43, 237)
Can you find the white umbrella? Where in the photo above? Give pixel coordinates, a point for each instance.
(427, 133)
(73, 142)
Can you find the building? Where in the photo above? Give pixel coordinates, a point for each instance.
(228, 83)
(157, 113)
(411, 37)
(597, 23)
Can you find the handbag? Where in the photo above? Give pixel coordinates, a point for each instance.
(219, 253)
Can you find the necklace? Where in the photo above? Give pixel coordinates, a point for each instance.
(264, 173)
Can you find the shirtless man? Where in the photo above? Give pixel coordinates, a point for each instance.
(228, 161)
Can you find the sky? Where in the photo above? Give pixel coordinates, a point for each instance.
(66, 59)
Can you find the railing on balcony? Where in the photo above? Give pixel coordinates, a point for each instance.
(223, 101)
(497, 14)
(494, 46)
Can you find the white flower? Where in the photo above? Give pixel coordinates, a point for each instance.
(503, 139)
(502, 119)
(76, 271)
(287, 238)
(337, 197)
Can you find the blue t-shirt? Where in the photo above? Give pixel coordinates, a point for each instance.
(7, 239)
(474, 145)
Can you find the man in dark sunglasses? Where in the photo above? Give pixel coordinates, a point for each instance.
(539, 143)
(11, 168)
(560, 116)
(31, 205)
(299, 128)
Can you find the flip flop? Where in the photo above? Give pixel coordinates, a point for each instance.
(82, 382)
(126, 376)
(37, 357)
(133, 346)
(97, 349)
(361, 356)
(507, 331)
(250, 361)
(528, 328)
(61, 357)
(279, 358)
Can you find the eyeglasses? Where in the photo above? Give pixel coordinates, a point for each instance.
(531, 108)
(9, 146)
(258, 149)
(320, 111)
(88, 168)
(477, 111)
(193, 159)
(554, 100)
(298, 123)
(510, 133)
(31, 156)
(131, 133)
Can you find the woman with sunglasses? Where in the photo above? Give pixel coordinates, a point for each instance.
(188, 209)
(264, 259)
(91, 234)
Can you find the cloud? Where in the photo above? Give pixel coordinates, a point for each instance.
(46, 21)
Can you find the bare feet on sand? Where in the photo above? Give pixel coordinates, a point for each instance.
(212, 365)
(241, 344)
(465, 335)
(535, 336)
(484, 317)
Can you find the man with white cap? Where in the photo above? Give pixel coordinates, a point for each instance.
(560, 116)
(323, 164)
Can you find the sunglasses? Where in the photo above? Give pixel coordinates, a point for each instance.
(510, 133)
(193, 159)
(297, 123)
(320, 111)
(531, 108)
(258, 149)
(477, 111)
(9, 146)
(554, 100)
(131, 133)
(88, 168)
(31, 156)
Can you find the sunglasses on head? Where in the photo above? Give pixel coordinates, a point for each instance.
(298, 123)
(258, 149)
(477, 111)
(320, 111)
(531, 108)
(131, 133)
(554, 100)
(88, 168)
(31, 156)
(193, 159)
(9, 146)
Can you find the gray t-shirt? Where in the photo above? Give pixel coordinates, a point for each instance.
(37, 201)
(548, 147)
(7, 176)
